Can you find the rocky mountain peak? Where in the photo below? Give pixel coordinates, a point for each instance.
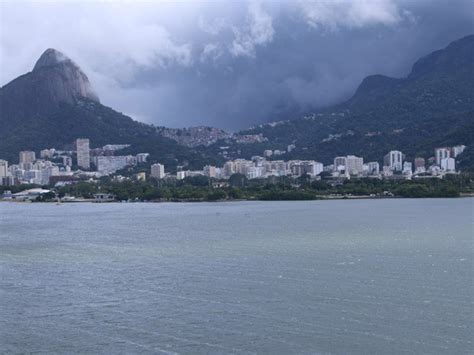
(62, 78)
(51, 57)
(54, 81)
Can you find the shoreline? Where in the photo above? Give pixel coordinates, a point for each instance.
(323, 198)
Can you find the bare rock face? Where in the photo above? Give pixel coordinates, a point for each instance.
(55, 80)
(65, 80)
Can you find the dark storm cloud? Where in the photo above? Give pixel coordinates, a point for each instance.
(234, 65)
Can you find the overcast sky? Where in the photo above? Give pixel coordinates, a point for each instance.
(228, 64)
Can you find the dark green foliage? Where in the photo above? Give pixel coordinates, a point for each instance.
(47, 197)
(279, 188)
(200, 180)
(81, 189)
(102, 125)
(217, 195)
(238, 180)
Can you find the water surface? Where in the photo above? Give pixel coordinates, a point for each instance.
(364, 276)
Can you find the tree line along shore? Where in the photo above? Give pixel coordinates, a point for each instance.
(238, 187)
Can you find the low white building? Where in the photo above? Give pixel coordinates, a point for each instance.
(110, 164)
(180, 175)
(142, 157)
(30, 194)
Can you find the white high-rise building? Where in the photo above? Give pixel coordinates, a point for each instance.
(210, 171)
(229, 168)
(47, 172)
(354, 165)
(448, 164)
(276, 167)
(242, 166)
(339, 163)
(394, 160)
(442, 153)
(3, 168)
(312, 167)
(301, 167)
(83, 153)
(27, 156)
(373, 168)
(158, 171)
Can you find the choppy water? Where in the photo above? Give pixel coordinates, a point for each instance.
(378, 276)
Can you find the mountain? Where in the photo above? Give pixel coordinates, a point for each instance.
(55, 80)
(433, 106)
(54, 104)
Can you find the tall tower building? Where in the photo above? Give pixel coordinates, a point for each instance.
(27, 156)
(340, 163)
(158, 171)
(354, 165)
(83, 153)
(3, 168)
(394, 160)
(442, 153)
(374, 168)
(210, 171)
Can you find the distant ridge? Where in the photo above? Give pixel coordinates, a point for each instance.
(432, 106)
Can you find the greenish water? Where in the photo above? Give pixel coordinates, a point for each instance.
(363, 276)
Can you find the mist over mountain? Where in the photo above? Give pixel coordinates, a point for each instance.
(229, 65)
(433, 106)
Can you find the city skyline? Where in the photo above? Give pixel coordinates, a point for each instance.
(107, 162)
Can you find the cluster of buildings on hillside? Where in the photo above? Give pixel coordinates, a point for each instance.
(205, 136)
(63, 166)
(395, 166)
(56, 166)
